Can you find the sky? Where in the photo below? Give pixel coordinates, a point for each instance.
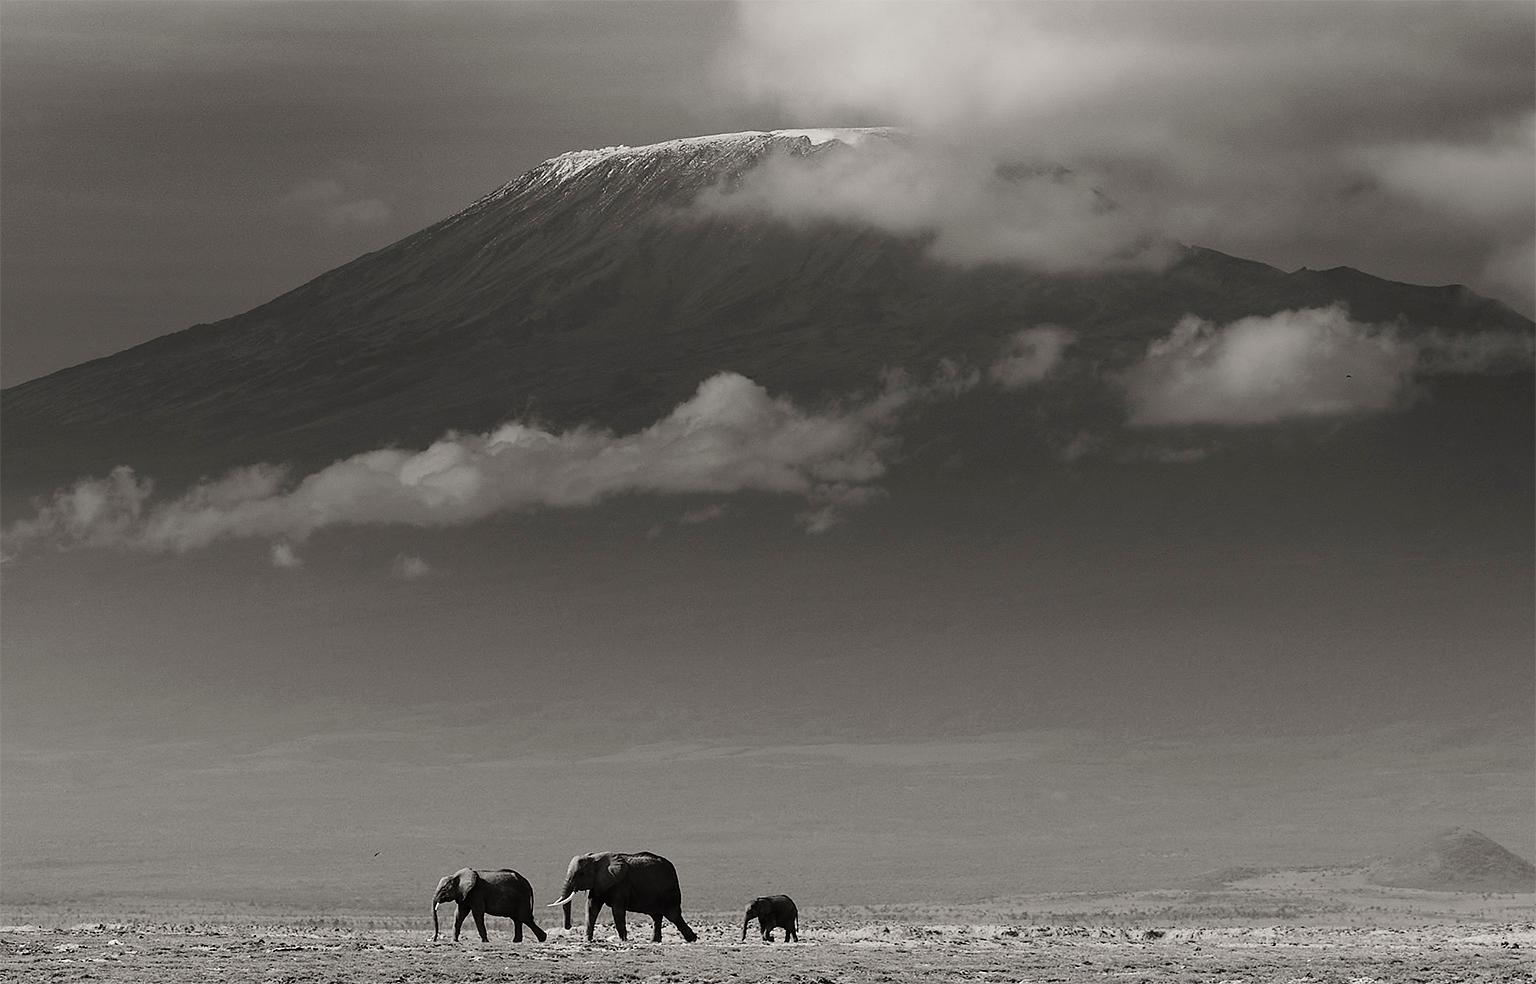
(824, 650)
(167, 164)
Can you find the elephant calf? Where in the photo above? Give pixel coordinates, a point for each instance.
(496, 893)
(773, 912)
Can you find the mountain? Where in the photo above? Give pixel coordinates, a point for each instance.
(586, 290)
(1454, 859)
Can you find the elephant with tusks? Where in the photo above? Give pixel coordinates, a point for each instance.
(495, 893)
(773, 912)
(643, 882)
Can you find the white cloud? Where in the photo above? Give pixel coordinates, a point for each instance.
(1488, 179)
(1299, 134)
(974, 211)
(732, 435)
(409, 568)
(284, 556)
(1308, 363)
(1029, 355)
(1486, 185)
(93, 512)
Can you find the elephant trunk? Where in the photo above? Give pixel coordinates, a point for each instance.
(744, 923)
(435, 930)
(567, 892)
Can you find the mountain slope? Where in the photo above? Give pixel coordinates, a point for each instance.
(585, 290)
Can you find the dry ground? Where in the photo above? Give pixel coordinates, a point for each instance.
(883, 952)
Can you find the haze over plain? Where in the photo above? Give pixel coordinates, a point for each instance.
(1094, 584)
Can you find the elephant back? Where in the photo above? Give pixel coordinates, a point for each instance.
(661, 877)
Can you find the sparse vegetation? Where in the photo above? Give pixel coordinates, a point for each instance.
(835, 949)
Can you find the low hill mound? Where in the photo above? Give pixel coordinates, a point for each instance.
(1455, 859)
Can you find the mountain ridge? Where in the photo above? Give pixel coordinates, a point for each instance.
(594, 295)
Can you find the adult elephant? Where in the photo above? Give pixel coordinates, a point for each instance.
(497, 893)
(643, 882)
(773, 912)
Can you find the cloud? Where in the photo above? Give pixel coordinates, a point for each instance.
(94, 512)
(284, 556)
(1511, 272)
(337, 206)
(971, 209)
(1486, 184)
(1029, 356)
(1082, 444)
(830, 502)
(357, 213)
(408, 568)
(731, 436)
(1299, 134)
(1485, 179)
(707, 514)
(1309, 363)
(1476, 353)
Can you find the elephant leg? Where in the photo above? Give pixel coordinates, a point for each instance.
(458, 921)
(656, 929)
(791, 932)
(517, 930)
(618, 923)
(538, 933)
(676, 916)
(480, 923)
(594, 906)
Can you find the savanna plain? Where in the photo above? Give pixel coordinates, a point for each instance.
(1312, 927)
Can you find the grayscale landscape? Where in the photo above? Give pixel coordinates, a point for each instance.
(1049, 488)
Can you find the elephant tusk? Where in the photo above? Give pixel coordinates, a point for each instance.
(562, 901)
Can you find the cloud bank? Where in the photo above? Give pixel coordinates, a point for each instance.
(1487, 186)
(1390, 137)
(731, 436)
(973, 209)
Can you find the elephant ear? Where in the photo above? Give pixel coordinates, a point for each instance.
(618, 867)
(467, 879)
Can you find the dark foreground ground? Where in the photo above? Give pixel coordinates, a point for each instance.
(883, 952)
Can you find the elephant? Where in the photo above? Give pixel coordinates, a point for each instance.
(642, 882)
(497, 893)
(773, 912)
